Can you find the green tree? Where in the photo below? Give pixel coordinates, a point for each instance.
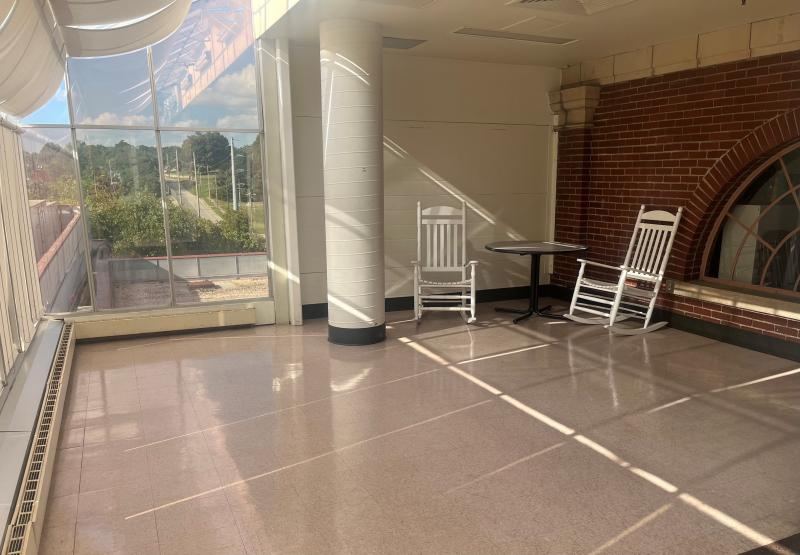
(235, 228)
(50, 173)
(123, 167)
(134, 226)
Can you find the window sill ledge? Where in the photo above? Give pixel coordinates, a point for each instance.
(773, 306)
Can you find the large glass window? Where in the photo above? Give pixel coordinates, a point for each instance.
(111, 91)
(758, 238)
(216, 215)
(172, 187)
(122, 195)
(56, 218)
(55, 112)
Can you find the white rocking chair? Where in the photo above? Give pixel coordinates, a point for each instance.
(635, 292)
(442, 250)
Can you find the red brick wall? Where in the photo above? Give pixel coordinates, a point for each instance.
(681, 139)
(756, 322)
(572, 200)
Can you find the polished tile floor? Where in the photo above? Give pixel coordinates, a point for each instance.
(548, 437)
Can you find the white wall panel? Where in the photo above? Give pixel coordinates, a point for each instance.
(453, 129)
(434, 89)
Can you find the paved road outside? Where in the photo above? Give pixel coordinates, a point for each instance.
(188, 200)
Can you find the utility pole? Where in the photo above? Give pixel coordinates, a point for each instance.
(233, 179)
(208, 174)
(196, 184)
(178, 171)
(250, 210)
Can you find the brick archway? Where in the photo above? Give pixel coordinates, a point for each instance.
(723, 178)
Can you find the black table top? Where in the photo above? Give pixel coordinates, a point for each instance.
(534, 247)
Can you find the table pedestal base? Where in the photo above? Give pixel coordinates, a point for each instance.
(533, 303)
(525, 314)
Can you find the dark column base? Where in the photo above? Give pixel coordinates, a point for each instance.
(356, 336)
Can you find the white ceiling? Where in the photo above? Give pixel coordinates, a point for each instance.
(614, 26)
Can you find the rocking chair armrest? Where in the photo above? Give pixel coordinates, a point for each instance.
(471, 263)
(415, 262)
(592, 263)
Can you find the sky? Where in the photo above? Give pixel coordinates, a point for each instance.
(55, 111)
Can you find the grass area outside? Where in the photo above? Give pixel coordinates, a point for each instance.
(208, 192)
(257, 216)
(207, 189)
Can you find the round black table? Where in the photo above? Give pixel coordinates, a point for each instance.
(534, 249)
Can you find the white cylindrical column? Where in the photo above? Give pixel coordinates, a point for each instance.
(351, 62)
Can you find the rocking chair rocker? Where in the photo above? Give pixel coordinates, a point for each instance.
(636, 290)
(442, 250)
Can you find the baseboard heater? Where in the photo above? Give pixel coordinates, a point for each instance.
(101, 326)
(25, 531)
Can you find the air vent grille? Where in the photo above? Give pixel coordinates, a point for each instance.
(31, 492)
(398, 43)
(583, 7)
(403, 3)
(489, 33)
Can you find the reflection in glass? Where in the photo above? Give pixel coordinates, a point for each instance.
(122, 195)
(792, 161)
(114, 90)
(217, 230)
(759, 241)
(56, 218)
(55, 112)
(783, 270)
(766, 188)
(205, 71)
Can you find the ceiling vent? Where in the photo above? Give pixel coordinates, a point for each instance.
(403, 3)
(398, 43)
(489, 33)
(584, 7)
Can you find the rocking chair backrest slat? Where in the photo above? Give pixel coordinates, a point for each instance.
(648, 247)
(652, 252)
(444, 229)
(658, 250)
(651, 243)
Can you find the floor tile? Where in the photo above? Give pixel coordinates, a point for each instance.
(272, 440)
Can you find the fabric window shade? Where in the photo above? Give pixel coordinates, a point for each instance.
(120, 37)
(32, 64)
(34, 40)
(104, 12)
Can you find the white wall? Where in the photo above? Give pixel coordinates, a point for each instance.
(453, 129)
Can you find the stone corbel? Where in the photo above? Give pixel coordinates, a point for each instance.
(574, 106)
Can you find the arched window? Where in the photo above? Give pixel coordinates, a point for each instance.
(756, 241)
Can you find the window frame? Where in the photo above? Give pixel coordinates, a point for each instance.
(741, 189)
(73, 126)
